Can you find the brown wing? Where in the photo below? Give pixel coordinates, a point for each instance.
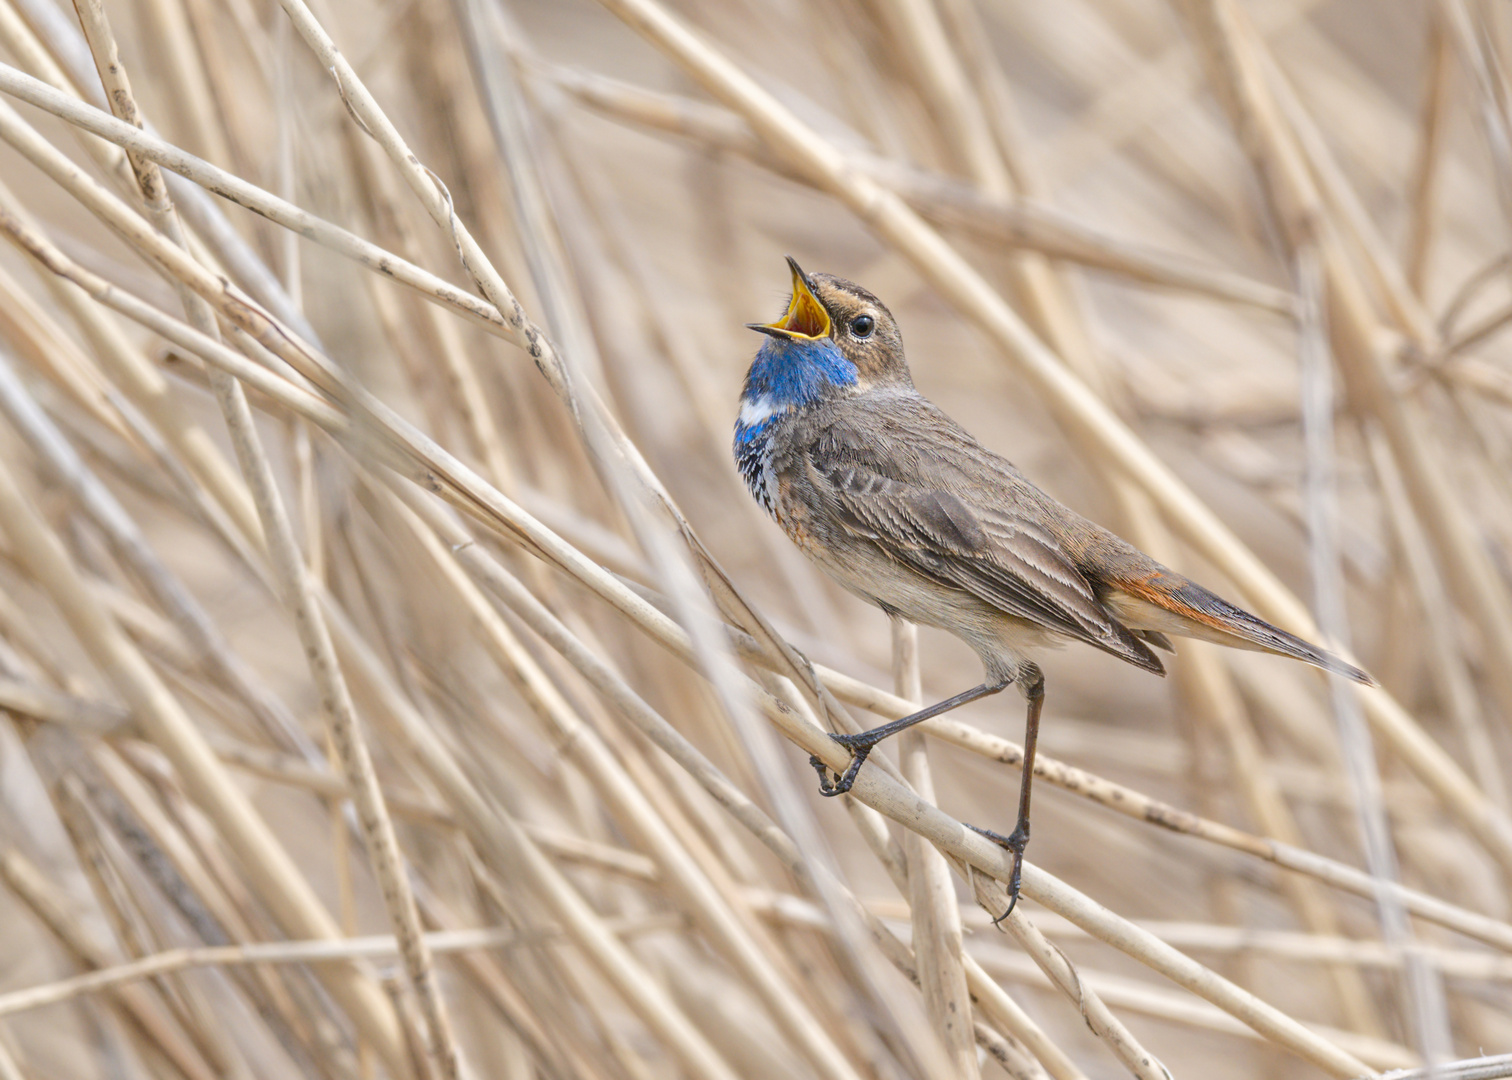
(924, 509)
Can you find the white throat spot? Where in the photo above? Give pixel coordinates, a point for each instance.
(754, 411)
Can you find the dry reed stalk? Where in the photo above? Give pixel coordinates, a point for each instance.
(1137, 805)
(1494, 1067)
(349, 744)
(10, 1066)
(288, 952)
(1449, 664)
(1144, 998)
(936, 914)
(142, 1010)
(217, 905)
(49, 349)
(978, 855)
(1306, 947)
(249, 195)
(32, 55)
(1181, 969)
(467, 391)
(1059, 969)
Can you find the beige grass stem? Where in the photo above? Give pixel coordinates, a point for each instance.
(936, 914)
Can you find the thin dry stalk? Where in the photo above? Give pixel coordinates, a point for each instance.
(142, 1010)
(1455, 683)
(1064, 975)
(1148, 999)
(1205, 937)
(10, 1065)
(1426, 171)
(251, 196)
(936, 914)
(283, 952)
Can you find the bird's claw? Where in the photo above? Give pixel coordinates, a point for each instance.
(1015, 843)
(859, 746)
(826, 785)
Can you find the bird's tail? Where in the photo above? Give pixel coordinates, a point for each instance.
(1204, 615)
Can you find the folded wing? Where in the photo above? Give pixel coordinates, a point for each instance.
(942, 525)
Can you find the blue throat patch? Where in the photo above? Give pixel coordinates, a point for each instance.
(791, 374)
(786, 375)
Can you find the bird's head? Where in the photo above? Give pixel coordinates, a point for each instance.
(835, 337)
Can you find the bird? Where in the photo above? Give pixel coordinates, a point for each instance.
(905, 509)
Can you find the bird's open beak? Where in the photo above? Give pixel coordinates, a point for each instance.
(806, 318)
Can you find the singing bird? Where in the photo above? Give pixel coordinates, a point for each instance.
(901, 506)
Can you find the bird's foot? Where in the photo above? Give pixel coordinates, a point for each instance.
(1015, 842)
(859, 746)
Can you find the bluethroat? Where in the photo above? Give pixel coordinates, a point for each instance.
(901, 506)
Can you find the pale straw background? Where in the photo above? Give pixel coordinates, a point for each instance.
(1228, 276)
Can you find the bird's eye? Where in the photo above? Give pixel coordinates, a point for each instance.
(862, 326)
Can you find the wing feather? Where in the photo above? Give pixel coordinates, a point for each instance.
(962, 533)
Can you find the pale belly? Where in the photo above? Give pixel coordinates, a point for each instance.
(1003, 642)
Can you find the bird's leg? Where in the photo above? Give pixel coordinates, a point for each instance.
(1032, 680)
(861, 745)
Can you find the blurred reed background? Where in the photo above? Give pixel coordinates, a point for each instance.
(392, 662)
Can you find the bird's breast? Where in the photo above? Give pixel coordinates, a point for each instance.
(755, 443)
